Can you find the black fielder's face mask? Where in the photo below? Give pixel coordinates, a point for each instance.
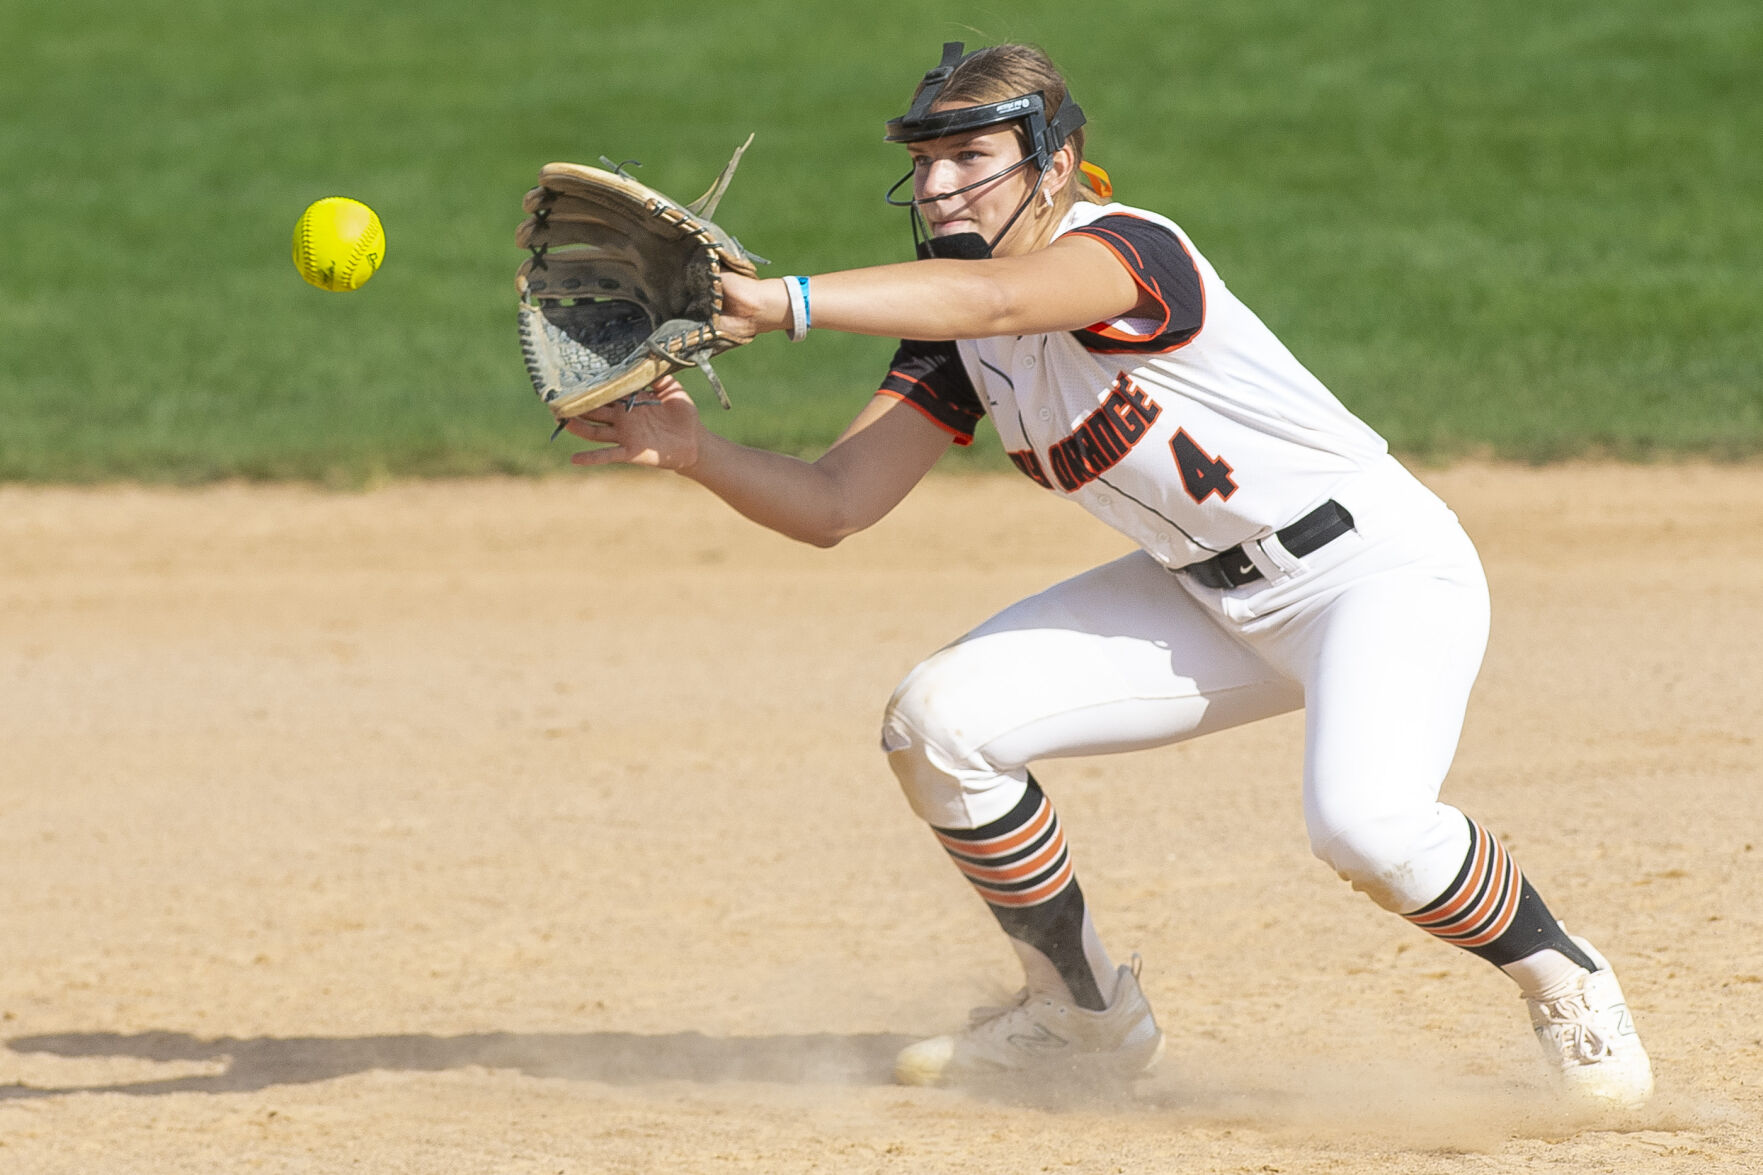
(920, 124)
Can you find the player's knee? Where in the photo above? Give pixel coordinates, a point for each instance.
(944, 776)
(926, 712)
(1390, 858)
(934, 794)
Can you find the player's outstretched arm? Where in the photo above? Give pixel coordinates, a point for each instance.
(1073, 283)
(886, 450)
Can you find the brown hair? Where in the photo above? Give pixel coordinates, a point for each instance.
(1002, 72)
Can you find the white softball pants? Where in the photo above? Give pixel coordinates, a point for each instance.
(1378, 636)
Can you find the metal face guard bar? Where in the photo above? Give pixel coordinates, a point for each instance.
(963, 246)
(915, 202)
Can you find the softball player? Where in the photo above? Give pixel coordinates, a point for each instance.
(1285, 560)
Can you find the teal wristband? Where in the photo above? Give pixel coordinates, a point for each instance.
(799, 315)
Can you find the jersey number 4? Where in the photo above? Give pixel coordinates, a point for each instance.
(1201, 473)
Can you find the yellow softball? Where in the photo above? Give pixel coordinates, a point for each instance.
(338, 243)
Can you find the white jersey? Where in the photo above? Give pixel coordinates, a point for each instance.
(1190, 432)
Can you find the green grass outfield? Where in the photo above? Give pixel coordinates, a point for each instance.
(1528, 229)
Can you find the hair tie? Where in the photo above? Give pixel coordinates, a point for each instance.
(1098, 179)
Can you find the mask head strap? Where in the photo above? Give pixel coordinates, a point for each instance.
(1045, 137)
(930, 87)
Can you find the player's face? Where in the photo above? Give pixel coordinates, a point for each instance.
(943, 166)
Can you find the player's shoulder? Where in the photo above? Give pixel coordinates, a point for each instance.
(1126, 219)
(1144, 240)
(1167, 270)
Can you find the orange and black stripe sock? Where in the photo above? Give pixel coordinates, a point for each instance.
(1491, 911)
(1021, 867)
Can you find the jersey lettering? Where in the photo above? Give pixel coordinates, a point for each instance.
(1030, 465)
(1201, 473)
(1104, 437)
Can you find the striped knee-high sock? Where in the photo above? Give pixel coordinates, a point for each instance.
(1491, 911)
(1022, 868)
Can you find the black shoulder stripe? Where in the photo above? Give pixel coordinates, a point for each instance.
(1160, 263)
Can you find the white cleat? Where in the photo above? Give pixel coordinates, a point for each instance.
(1589, 1040)
(1041, 1037)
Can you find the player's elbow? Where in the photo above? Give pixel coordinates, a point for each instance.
(974, 301)
(824, 539)
(851, 503)
(825, 530)
(998, 307)
(806, 534)
(842, 520)
(836, 531)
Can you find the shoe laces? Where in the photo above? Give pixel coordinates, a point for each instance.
(990, 1012)
(1582, 1041)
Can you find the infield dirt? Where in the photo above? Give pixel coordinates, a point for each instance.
(539, 826)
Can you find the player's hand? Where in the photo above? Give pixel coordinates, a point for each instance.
(658, 427)
(750, 306)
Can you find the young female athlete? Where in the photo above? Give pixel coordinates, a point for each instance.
(1286, 560)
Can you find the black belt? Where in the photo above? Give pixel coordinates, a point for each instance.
(1233, 568)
